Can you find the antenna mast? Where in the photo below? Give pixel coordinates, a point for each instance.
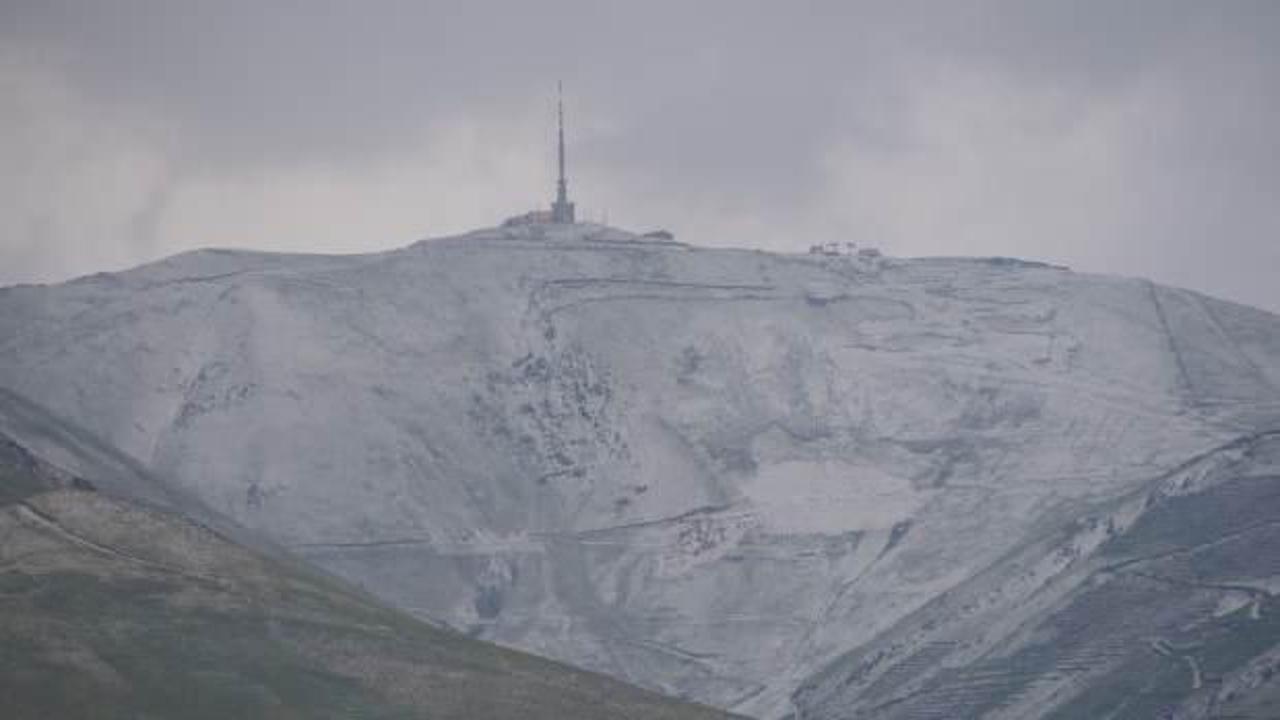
(560, 111)
(561, 209)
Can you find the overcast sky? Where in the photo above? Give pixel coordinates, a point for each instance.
(1129, 137)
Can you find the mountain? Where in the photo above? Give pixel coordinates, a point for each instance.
(827, 486)
(116, 608)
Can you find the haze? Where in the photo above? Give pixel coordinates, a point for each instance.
(1135, 138)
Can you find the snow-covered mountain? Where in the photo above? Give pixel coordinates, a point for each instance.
(774, 483)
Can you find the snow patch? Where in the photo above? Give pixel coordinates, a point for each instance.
(830, 497)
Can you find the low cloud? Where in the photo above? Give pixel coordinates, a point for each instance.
(1135, 139)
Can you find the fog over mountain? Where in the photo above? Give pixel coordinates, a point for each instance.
(1133, 138)
(910, 361)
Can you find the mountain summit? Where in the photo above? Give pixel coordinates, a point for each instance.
(828, 486)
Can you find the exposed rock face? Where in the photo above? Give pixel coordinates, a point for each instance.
(725, 474)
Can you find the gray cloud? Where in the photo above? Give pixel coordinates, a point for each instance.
(1134, 138)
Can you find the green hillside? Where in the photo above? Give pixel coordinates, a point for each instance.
(110, 610)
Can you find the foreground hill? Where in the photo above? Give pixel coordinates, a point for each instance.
(772, 483)
(109, 609)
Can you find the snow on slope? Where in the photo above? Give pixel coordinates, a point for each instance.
(712, 472)
(116, 610)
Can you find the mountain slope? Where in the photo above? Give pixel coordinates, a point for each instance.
(109, 609)
(1157, 605)
(717, 473)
